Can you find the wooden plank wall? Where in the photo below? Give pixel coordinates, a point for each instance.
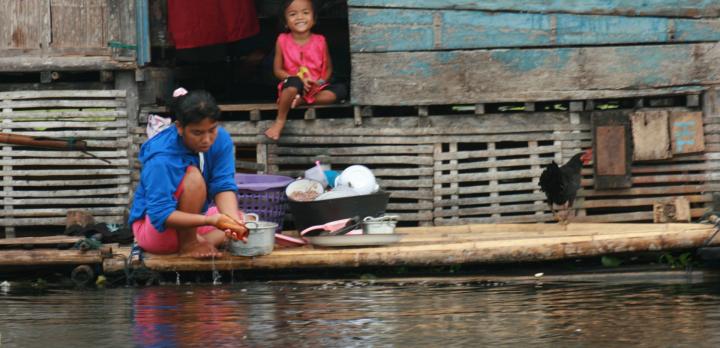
(447, 169)
(52, 35)
(511, 50)
(41, 185)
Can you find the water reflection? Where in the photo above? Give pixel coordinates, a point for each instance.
(448, 313)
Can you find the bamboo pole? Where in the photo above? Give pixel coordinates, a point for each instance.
(48, 257)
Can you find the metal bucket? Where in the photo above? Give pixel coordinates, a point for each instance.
(261, 239)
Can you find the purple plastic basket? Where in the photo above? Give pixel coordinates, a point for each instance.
(263, 194)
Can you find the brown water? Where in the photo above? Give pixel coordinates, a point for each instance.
(401, 313)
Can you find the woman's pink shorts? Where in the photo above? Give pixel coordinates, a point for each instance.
(156, 242)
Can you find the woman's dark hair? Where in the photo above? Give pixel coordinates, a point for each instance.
(282, 24)
(195, 106)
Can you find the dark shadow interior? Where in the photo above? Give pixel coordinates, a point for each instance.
(241, 71)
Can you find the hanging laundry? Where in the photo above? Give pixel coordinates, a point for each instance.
(193, 23)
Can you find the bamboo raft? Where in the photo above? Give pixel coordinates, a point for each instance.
(419, 246)
(464, 244)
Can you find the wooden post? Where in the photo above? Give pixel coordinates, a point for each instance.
(262, 156)
(255, 115)
(357, 115)
(423, 121)
(437, 173)
(7, 178)
(454, 185)
(576, 107)
(125, 80)
(310, 113)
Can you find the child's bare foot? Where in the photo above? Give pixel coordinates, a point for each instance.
(274, 131)
(296, 101)
(199, 250)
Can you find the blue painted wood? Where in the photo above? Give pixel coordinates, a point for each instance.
(389, 30)
(670, 8)
(574, 73)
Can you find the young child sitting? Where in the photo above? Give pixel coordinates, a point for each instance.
(302, 63)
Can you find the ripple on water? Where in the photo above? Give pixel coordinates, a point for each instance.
(368, 314)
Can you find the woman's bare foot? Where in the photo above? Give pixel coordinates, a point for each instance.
(199, 250)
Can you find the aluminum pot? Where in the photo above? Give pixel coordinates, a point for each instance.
(261, 239)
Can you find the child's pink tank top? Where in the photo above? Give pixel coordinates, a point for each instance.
(310, 55)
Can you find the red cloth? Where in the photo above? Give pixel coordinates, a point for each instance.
(194, 23)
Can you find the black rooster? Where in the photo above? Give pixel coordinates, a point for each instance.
(561, 184)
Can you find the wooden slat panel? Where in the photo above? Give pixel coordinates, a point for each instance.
(67, 124)
(88, 161)
(59, 212)
(634, 202)
(530, 74)
(84, 134)
(67, 172)
(70, 193)
(66, 183)
(391, 30)
(53, 221)
(61, 103)
(672, 8)
(62, 154)
(355, 151)
(38, 183)
(122, 201)
(490, 200)
(490, 124)
(18, 95)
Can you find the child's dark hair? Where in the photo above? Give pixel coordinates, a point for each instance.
(282, 24)
(195, 106)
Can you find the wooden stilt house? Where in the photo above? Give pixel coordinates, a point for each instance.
(455, 105)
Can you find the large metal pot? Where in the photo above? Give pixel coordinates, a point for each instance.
(261, 239)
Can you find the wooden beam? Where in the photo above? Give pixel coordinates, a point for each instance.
(396, 30)
(531, 74)
(38, 64)
(661, 8)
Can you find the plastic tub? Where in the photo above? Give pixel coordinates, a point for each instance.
(307, 214)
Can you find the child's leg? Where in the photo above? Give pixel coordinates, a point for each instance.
(325, 97)
(290, 91)
(331, 94)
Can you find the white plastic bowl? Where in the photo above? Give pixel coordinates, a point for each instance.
(359, 178)
(304, 190)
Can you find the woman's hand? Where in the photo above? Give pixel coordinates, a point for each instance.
(233, 229)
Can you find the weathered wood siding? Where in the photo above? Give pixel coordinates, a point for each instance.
(439, 52)
(51, 34)
(447, 169)
(39, 186)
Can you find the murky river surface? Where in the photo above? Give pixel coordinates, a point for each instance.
(436, 312)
